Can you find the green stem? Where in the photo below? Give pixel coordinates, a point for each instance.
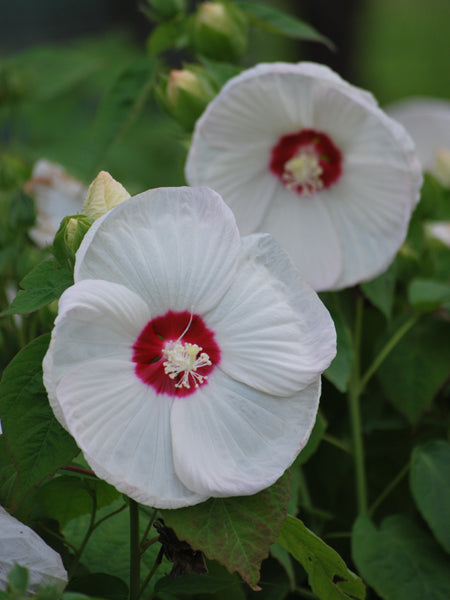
(387, 349)
(143, 546)
(388, 489)
(134, 550)
(354, 393)
(334, 441)
(152, 571)
(87, 536)
(305, 593)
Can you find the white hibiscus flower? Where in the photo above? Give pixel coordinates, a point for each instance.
(21, 545)
(56, 195)
(185, 361)
(298, 152)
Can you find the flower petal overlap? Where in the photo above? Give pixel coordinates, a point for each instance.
(181, 349)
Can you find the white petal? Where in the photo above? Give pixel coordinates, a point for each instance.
(122, 427)
(231, 440)
(304, 228)
(175, 247)
(273, 331)
(97, 319)
(427, 120)
(21, 545)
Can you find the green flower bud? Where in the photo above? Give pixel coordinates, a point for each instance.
(69, 237)
(103, 194)
(186, 93)
(220, 31)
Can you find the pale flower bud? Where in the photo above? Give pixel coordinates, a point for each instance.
(442, 167)
(103, 194)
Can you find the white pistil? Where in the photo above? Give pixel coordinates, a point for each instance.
(185, 359)
(304, 170)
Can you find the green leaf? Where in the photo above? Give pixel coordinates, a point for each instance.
(192, 584)
(100, 585)
(42, 285)
(276, 21)
(18, 579)
(237, 532)
(108, 549)
(427, 295)
(328, 575)
(430, 487)
(122, 104)
(380, 291)
(66, 497)
(340, 369)
(319, 429)
(35, 439)
(416, 369)
(399, 560)
(167, 35)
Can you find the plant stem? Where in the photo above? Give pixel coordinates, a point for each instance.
(156, 564)
(387, 349)
(87, 536)
(143, 545)
(354, 393)
(334, 441)
(388, 489)
(135, 557)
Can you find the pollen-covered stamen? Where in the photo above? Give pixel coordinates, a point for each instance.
(184, 360)
(303, 170)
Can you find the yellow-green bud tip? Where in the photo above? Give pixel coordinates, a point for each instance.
(103, 194)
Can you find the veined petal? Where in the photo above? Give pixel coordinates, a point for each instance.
(123, 429)
(273, 331)
(97, 319)
(174, 247)
(248, 438)
(304, 227)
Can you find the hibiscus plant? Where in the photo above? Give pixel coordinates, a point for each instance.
(231, 383)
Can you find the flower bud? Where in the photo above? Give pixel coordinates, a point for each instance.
(186, 93)
(69, 237)
(103, 194)
(220, 31)
(442, 167)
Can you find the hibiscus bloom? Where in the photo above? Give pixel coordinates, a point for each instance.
(56, 195)
(185, 361)
(21, 545)
(427, 120)
(296, 151)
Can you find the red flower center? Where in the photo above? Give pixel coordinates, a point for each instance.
(175, 353)
(306, 162)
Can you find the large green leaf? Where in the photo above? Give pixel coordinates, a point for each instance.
(122, 104)
(416, 369)
(237, 532)
(340, 369)
(427, 295)
(35, 439)
(66, 497)
(430, 486)
(328, 575)
(277, 21)
(399, 560)
(380, 291)
(42, 285)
